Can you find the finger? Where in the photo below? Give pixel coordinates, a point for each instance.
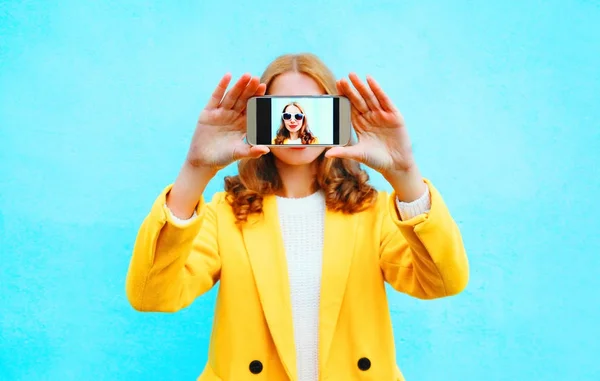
(365, 92)
(232, 95)
(353, 152)
(353, 96)
(249, 91)
(262, 89)
(385, 102)
(358, 121)
(217, 95)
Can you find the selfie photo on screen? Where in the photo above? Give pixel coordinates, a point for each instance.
(302, 122)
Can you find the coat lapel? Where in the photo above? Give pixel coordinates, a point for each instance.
(338, 250)
(264, 244)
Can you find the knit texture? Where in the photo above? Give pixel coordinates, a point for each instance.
(302, 222)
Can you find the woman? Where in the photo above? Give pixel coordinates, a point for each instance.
(299, 240)
(294, 127)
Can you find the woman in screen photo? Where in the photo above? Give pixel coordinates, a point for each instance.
(300, 243)
(294, 127)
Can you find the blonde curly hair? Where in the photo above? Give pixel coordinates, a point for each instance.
(343, 181)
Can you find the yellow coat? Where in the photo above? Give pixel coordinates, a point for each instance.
(172, 265)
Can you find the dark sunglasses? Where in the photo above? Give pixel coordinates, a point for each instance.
(288, 116)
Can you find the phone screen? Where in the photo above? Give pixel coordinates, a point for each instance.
(298, 120)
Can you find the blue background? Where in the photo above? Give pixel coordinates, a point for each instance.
(98, 101)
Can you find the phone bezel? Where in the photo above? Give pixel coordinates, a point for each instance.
(345, 120)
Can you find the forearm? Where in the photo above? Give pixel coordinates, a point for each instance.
(173, 261)
(408, 210)
(188, 189)
(422, 250)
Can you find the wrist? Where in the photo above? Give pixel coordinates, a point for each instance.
(193, 164)
(198, 170)
(188, 189)
(408, 183)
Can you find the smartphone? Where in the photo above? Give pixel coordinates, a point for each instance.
(292, 121)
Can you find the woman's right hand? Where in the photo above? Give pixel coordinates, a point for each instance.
(217, 142)
(219, 136)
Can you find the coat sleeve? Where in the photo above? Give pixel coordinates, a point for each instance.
(424, 256)
(173, 263)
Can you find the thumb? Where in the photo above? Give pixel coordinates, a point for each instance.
(244, 151)
(349, 152)
(257, 151)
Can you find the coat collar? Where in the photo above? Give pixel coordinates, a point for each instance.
(264, 244)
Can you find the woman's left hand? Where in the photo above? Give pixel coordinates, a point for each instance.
(383, 142)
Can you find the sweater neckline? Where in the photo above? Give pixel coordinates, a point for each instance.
(313, 201)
